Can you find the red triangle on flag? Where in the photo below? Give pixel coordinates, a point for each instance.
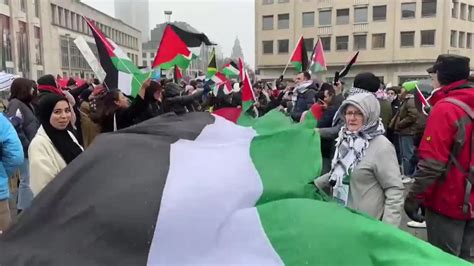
(170, 47)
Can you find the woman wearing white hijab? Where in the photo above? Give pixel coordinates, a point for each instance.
(364, 174)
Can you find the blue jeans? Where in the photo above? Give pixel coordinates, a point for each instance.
(25, 195)
(407, 154)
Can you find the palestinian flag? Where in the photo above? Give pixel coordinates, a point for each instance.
(241, 69)
(172, 51)
(122, 73)
(220, 79)
(159, 205)
(318, 61)
(231, 69)
(212, 67)
(177, 74)
(338, 75)
(299, 58)
(421, 102)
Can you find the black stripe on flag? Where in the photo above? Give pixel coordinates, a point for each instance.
(102, 209)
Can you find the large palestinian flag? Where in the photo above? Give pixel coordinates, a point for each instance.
(173, 49)
(122, 73)
(200, 190)
(318, 60)
(231, 69)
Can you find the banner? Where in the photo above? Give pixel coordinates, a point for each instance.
(90, 58)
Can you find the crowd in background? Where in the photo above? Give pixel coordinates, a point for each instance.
(370, 133)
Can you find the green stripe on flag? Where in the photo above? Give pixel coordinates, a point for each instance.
(124, 65)
(298, 66)
(180, 60)
(327, 234)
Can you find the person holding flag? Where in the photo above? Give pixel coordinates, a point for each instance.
(305, 95)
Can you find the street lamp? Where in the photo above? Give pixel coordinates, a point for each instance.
(68, 54)
(168, 14)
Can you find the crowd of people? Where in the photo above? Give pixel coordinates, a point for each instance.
(374, 139)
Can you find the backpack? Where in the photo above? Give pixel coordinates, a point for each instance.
(457, 147)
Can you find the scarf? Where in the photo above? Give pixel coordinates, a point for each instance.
(61, 139)
(350, 150)
(303, 86)
(51, 89)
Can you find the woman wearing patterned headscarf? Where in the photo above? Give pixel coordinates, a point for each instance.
(364, 172)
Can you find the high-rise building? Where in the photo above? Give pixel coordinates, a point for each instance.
(397, 40)
(136, 14)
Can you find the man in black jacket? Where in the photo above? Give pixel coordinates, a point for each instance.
(305, 95)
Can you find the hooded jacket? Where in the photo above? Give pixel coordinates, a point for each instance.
(376, 186)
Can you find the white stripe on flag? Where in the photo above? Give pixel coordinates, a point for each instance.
(125, 82)
(220, 226)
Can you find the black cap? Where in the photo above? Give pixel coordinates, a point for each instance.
(367, 81)
(450, 68)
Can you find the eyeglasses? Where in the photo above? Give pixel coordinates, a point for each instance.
(355, 114)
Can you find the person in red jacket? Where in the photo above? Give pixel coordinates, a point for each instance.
(445, 171)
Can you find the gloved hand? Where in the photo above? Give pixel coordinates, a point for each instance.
(413, 209)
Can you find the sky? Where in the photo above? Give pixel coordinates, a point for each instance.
(221, 20)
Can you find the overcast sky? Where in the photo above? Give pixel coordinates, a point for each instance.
(221, 20)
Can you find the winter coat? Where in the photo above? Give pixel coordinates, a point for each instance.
(45, 160)
(125, 117)
(385, 112)
(376, 186)
(439, 183)
(90, 130)
(303, 103)
(405, 120)
(11, 155)
(29, 122)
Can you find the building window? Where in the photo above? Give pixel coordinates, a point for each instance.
(471, 13)
(23, 5)
(342, 43)
(469, 40)
(283, 1)
(308, 19)
(428, 8)
(37, 42)
(463, 15)
(360, 14)
(407, 39)
(267, 47)
(37, 7)
(144, 55)
(360, 42)
(283, 46)
(379, 13)
(283, 21)
(5, 41)
(325, 17)
(342, 16)
(428, 37)
(66, 18)
(64, 53)
(326, 42)
(152, 55)
(267, 23)
(378, 41)
(462, 39)
(267, 2)
(408, 10)
(60, 16)
(5, 2)
(144, 63)
(309, 44)
(455, 9)
(454, 38)
(39, 73)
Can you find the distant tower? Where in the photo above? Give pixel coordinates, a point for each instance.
(135, 14)
(237, 50)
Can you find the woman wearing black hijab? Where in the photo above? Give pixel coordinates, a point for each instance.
(54, 146)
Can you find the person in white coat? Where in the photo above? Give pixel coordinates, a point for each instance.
(54, 146)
